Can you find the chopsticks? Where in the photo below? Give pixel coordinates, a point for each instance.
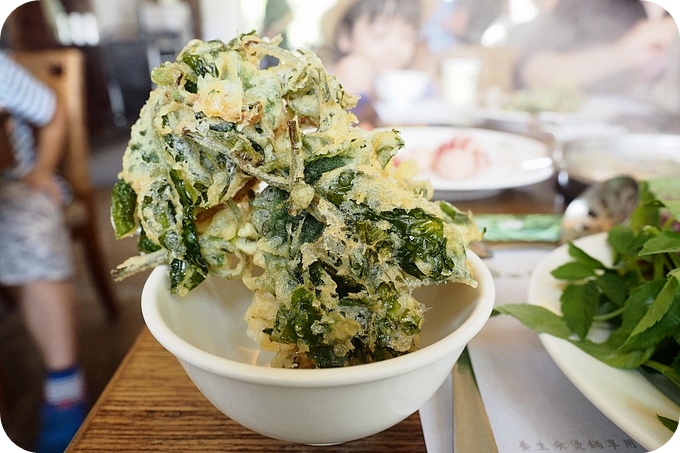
(471, 428)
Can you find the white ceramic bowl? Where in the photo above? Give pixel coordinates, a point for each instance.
(206, 331)
(401, 87)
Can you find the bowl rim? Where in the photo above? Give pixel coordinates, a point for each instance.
(327, 377)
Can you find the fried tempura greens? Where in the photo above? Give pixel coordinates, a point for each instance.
(240, 172)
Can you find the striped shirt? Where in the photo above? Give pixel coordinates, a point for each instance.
(34, 241)
(30, 103)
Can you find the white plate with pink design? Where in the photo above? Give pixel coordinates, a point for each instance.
(472, 163)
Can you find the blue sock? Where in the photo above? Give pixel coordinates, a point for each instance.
(63, 410)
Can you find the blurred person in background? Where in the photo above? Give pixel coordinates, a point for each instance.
(507, 30)
(365, 38)
(604, 46)
(36, 256)
(454, 22)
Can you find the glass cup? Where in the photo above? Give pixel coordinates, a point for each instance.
(460, 80)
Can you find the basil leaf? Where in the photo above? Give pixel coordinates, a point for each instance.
(666, 190)
(665, 242)
(573, 271)
(661, 320)
(536, 318)
(668, 423)
(583, 258)
(637, 305)
(579, 305)
(613, 286)
(123, 203)
(613, 356)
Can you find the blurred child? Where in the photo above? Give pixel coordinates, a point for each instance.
(367, 37)
(36, 248)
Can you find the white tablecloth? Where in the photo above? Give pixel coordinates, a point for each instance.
(532, 406)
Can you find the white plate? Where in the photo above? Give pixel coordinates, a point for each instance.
(595, 109)
(514, 160)
(624, 396)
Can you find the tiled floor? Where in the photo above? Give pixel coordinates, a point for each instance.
(102, 344)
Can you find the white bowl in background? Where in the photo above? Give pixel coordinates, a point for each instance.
(401, 87)
(206, 331)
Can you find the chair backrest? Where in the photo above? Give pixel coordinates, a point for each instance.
(63, 71)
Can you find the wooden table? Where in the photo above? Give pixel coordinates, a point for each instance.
(541, 198)
(151, 405)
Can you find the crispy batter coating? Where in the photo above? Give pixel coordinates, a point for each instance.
(240, 172)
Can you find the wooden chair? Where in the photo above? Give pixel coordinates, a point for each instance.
(63, 71)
